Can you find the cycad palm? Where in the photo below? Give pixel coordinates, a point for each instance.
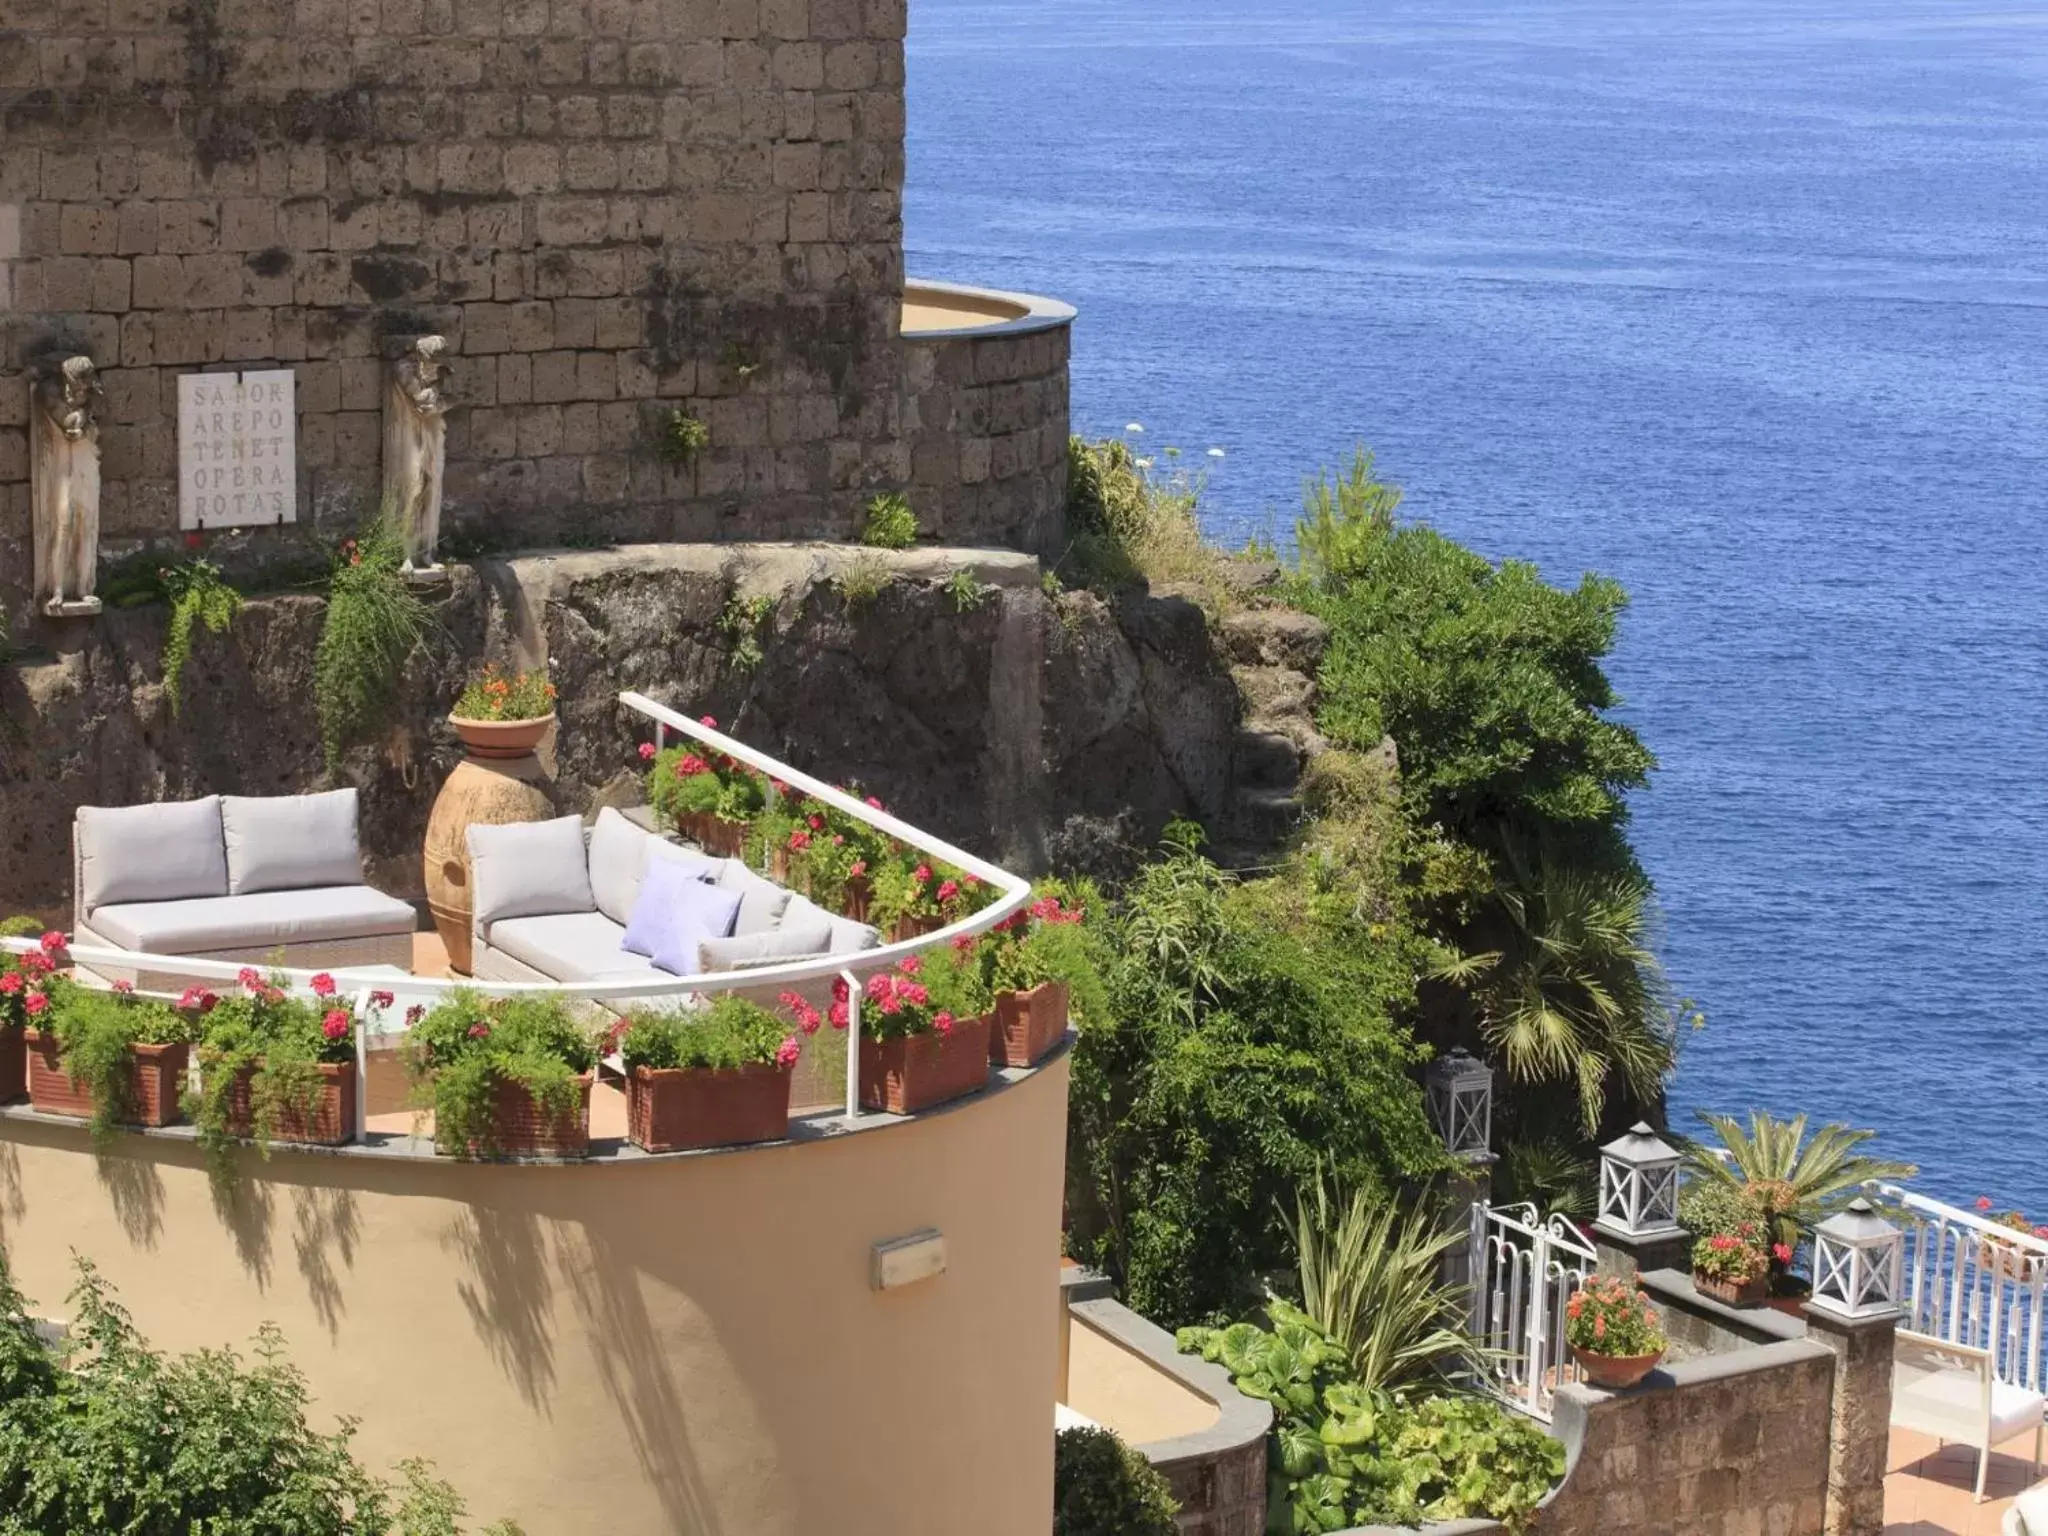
(1824, 1173)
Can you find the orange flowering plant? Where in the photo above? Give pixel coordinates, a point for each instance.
(1607, 1316)
(494, 695)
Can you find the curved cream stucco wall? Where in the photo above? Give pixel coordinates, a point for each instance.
(642, 1349)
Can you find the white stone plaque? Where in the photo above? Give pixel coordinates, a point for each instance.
(238, 461)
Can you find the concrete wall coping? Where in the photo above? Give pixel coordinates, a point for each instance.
(1752, 1361)
(1243, 1420)
(1765, 1325)
(1040, 313)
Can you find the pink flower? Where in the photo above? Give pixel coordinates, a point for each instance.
(1600, 1327)
(381, 999)
(838, 989)
(963, 943)
(879, 986)
(250, 977)
(52, 942)
(1983, 1202)
(910, 965)
(874, 803)
(837, 840)
(1782, 1252)
(322, 985)
(787, 1052)
(2041, 1231)
(689, 765)
(35, 1002)
(36, 963)
(948, 889)
(196, 1000)
(479, 1030)
(860, 867)
(415, 1013)
(706, 720)
(816, 822)
(1721, 1242)
(942, 1024)
(922, 874)
(799, 840)
(913, 993)
(646, 751)
(335, 1025)
(973, 879)
(11, 983)
(124, 987)
(839, 1015)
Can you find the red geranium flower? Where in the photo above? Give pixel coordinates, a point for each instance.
(335, 1025)
(35, 1002)
(322, 985)
(11, 982)
(52, 942)
(646, 751)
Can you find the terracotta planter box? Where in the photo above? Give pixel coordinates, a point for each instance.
(914, 928)
(1749, 1293)
(332, 1123)
(672, 1111)
(525, 1130)
(721, 839)
(154, 1084)
(500, 739)
(1028, 1025)
(915, 1072)
(2007, 1262)
(1615, 1372)
(853, 901)
(13, 1065)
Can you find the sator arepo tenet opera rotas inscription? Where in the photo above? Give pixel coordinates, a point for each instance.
(237, 449)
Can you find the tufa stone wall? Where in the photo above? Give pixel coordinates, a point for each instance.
(612, 208)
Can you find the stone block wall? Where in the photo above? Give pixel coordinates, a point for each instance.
(985, 419)
(613, 209)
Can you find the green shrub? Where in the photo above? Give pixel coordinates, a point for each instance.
(374, 619)
(466, 1044)
(731, 1033)
(742, 624)
(683, 437)
(966, 591)
(862, 581)
(1127, 527)
(1101, 1487)
(890, 523)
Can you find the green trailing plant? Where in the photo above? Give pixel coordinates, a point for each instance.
(198, 595)
(683, 437)
(966, 591)
(890, 524)
(1102, 1487)
(1370, 1275)
(861, 581)
(742, 623)
(1792, 1180)
(108, 1434)
(96, 1033)
(494, 694)
(730, 1034)
(374, 619)
(1342, 1454)
(467, 1044)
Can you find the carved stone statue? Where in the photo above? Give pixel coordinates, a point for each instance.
(416, 453)
(64, 484)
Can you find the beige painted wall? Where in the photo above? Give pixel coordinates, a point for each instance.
(1123, 1391)
(687, 1346)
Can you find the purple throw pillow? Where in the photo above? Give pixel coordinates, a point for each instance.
(659, 909)
(701, 912)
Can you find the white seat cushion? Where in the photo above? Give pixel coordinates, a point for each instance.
(2014, 1410)
(169, 851)
(574, 946)
(316, 916)
(291, 842)
(619, 852)
(846, 936)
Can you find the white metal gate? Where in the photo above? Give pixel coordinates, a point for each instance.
(1523, 1271)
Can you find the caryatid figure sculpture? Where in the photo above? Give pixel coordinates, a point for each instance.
(64, 485)
(416, 452)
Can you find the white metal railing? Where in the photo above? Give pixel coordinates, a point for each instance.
(1014, 891)
(1524, 1269)
(1973, 1281)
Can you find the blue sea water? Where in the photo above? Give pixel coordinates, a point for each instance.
(1744, 302)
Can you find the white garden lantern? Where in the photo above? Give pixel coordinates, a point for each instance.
(1639, 1185)
(1859, 1261)
(1460, 1089)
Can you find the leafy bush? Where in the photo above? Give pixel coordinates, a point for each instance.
(1342, 1454)
(117, 1437)
(492, 695)
(466, 1044)
(683, 437)
(1101, 1487)
(1792, 1180)
(741, 623)
(890, 524)
(1126, 527)
(197, 595)
(730, 1034)
(373, 622)
(966, 591)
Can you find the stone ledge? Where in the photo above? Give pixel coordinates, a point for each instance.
(1759, 1325)
(1242, 1421)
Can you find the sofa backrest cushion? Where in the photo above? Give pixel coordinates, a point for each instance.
(2029, 1512)
(291, 842)
(844, 935)
(619, 856)
(679, 912)
(806, 941)
(528, 869)
(762, 901)
(659, 901)
(169, 851)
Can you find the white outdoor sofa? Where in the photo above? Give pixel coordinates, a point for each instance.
(1950, 1391)
(267, 880)
(2028, 1515)
(553, 902)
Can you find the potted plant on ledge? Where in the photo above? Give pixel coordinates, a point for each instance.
(719, 1078)
(2008, 1259)
(1733, 1266)
(504, 716)
(712, 799)
(1613, 1332)
(1030, 964)
(916, 1050)
(110, 1058)
(504, 1077)
(19, 976)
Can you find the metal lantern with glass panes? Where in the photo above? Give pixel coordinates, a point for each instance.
(1639, 1185)
(1461, 1103)
(1858, 1263)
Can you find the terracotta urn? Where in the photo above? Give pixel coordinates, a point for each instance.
(487, 788)
(1615, 1372)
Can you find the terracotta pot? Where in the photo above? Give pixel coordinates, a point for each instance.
(501, 740)
(718, 837)
(2008, 1262)
(154, 1084)
(669, 1111)
(1028, 1025)
(915, 1072)
(332, 1123)
(13, 1065)
(476, 794)
(1747, 1293)
(524, 1129)
(1615, 1372)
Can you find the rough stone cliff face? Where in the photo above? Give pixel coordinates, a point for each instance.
(1025, 726)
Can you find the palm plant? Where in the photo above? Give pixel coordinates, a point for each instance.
(1369, 1274)
(1794, 1180)
(1574, 994)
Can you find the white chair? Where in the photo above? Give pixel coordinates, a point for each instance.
(2028, 1515)
(1950, 1391)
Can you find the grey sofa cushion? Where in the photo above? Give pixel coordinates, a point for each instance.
(762, 901)
(846, 936)
(619, 852)
(806, 941)
(570, 947)
(170, 851)
(529, 869)
(290, 842)
(320, 915)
